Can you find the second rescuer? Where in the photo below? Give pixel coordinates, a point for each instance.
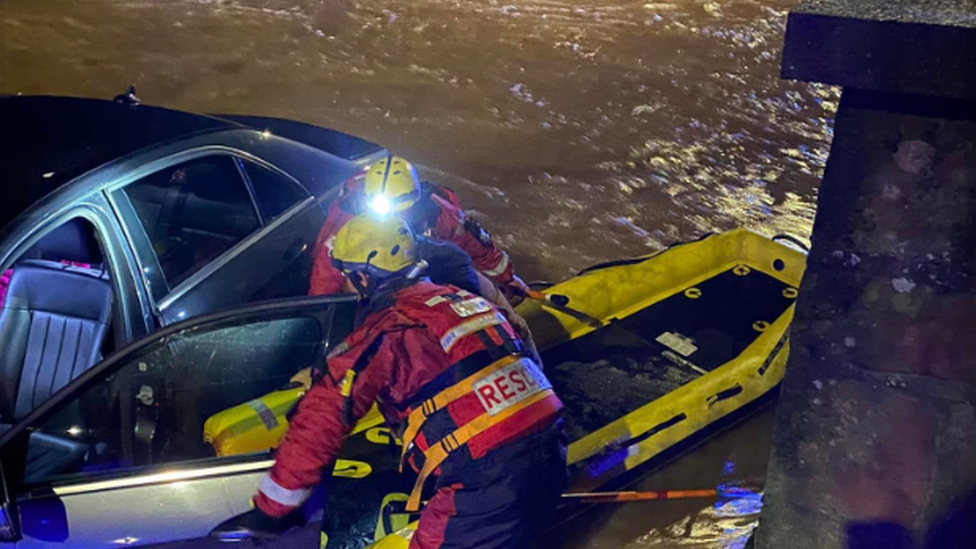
(478, 419)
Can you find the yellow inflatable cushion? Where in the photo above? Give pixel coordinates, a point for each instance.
(260, 424)
(254, 426)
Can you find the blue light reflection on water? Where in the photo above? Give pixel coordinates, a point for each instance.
(729, 467)
(737, 502)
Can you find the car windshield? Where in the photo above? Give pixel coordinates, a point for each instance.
(58, 140)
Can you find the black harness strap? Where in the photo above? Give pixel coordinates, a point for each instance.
(361, 363)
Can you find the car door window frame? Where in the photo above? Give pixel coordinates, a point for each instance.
(287, 212)
(161, 293)
(322, 308)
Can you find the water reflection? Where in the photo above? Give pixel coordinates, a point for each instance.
(734, 461)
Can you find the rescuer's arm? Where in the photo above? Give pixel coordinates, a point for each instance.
(470, 236)
(325, 278)
(489, 291)
(315, 435)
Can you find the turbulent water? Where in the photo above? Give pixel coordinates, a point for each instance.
(584, 131)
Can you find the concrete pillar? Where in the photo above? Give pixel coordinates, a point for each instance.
(875, 437)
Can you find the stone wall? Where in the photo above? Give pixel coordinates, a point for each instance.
(875, 442)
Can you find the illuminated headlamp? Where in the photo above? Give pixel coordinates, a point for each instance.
(380, 205)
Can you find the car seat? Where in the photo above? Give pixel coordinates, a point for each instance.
(193, 213)
(54, 319)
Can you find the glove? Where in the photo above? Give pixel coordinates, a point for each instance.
(255, 525)
(522, 329)
(515, 290)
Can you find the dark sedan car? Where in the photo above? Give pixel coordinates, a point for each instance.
(117, 220)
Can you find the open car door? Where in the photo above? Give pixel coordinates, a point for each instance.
(118, 457)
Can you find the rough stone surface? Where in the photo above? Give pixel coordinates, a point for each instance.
(933, 12)
(876, 427)
(921, 47)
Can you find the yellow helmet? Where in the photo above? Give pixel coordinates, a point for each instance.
(391, 186)
(378, 247)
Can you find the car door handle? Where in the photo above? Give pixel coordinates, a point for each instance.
(294, 250)
(255, 525)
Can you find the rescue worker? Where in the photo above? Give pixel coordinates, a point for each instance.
(478, 419)
(391, 186)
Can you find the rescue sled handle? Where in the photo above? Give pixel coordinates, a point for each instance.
(631, 495)
(558, 300)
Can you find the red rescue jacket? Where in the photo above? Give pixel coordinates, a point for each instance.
(448, 374)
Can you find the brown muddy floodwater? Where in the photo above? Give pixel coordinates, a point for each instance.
(585, 131)
(582, 131)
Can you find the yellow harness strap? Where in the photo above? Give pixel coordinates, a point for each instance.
(437, 453)
(417, 417)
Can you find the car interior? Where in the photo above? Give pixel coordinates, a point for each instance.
(192, 213)
(54, 319)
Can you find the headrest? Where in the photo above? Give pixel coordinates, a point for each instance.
(208, 181)
(93, 272)
(73, 241)
(60, 292)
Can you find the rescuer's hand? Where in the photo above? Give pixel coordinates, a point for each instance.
(255, 525)
(521, 328)
(515, 290)
(519, 324)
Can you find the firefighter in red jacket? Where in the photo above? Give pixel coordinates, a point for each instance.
(391, 186)
(478, 419)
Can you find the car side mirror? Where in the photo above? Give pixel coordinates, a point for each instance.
(8, 530)
(9, 519)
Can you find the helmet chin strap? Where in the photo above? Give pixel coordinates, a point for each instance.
(357, 281)
(371, 288)
(380, 293)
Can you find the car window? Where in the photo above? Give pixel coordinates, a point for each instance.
(193, 212)
(273, 192)
(184, 397)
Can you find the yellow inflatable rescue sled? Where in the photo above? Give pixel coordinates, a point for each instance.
(666, 346)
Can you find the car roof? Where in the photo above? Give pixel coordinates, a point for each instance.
(334, 142)
(52, 140)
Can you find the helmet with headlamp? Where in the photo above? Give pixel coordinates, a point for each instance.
(391, 186)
